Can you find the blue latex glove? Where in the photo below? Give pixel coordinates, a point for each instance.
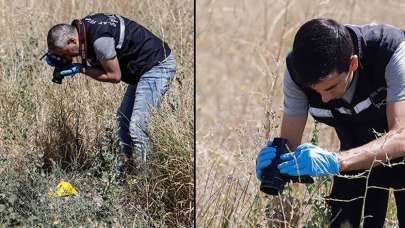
(71, 70)
(50, 59)
(311, 160)
(264, 159)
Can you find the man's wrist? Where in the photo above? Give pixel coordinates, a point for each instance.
(340, 161)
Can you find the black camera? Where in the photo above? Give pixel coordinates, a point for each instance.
(272, 180)
(59, 63)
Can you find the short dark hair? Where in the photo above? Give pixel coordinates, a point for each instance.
(59, 35)
(320, 47)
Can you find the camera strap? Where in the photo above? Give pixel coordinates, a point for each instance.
(81, 29)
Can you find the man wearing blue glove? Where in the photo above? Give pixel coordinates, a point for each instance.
(350, 77)
(113, 49)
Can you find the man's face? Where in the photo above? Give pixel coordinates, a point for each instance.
(71, 50)
(334, 85)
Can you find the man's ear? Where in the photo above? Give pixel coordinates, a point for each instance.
(354, 62)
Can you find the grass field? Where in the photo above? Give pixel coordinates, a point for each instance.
(241, 48)
(50, 132)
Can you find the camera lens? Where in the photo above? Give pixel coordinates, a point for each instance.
(272, 181)
(57, 78)
(272, 186)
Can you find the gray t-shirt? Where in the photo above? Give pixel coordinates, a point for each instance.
(296, 102)
(104, 48)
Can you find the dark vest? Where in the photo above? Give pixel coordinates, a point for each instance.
(356, 123)
(138, 50)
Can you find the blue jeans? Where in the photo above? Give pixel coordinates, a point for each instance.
(139, 100)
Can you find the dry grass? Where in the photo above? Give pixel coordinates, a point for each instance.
(241, 49)
(50, 132)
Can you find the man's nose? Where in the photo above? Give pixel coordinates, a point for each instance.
(326, 97)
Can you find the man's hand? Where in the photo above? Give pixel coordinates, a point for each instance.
(264, 159)
(311, 160)
(71, 70)
(110, 71)
(50, 59)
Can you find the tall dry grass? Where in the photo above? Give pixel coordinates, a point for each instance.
(50, 132)
(241, 47)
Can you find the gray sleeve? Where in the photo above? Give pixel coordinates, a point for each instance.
(295, 100)
(395, 75)
(104, 48)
